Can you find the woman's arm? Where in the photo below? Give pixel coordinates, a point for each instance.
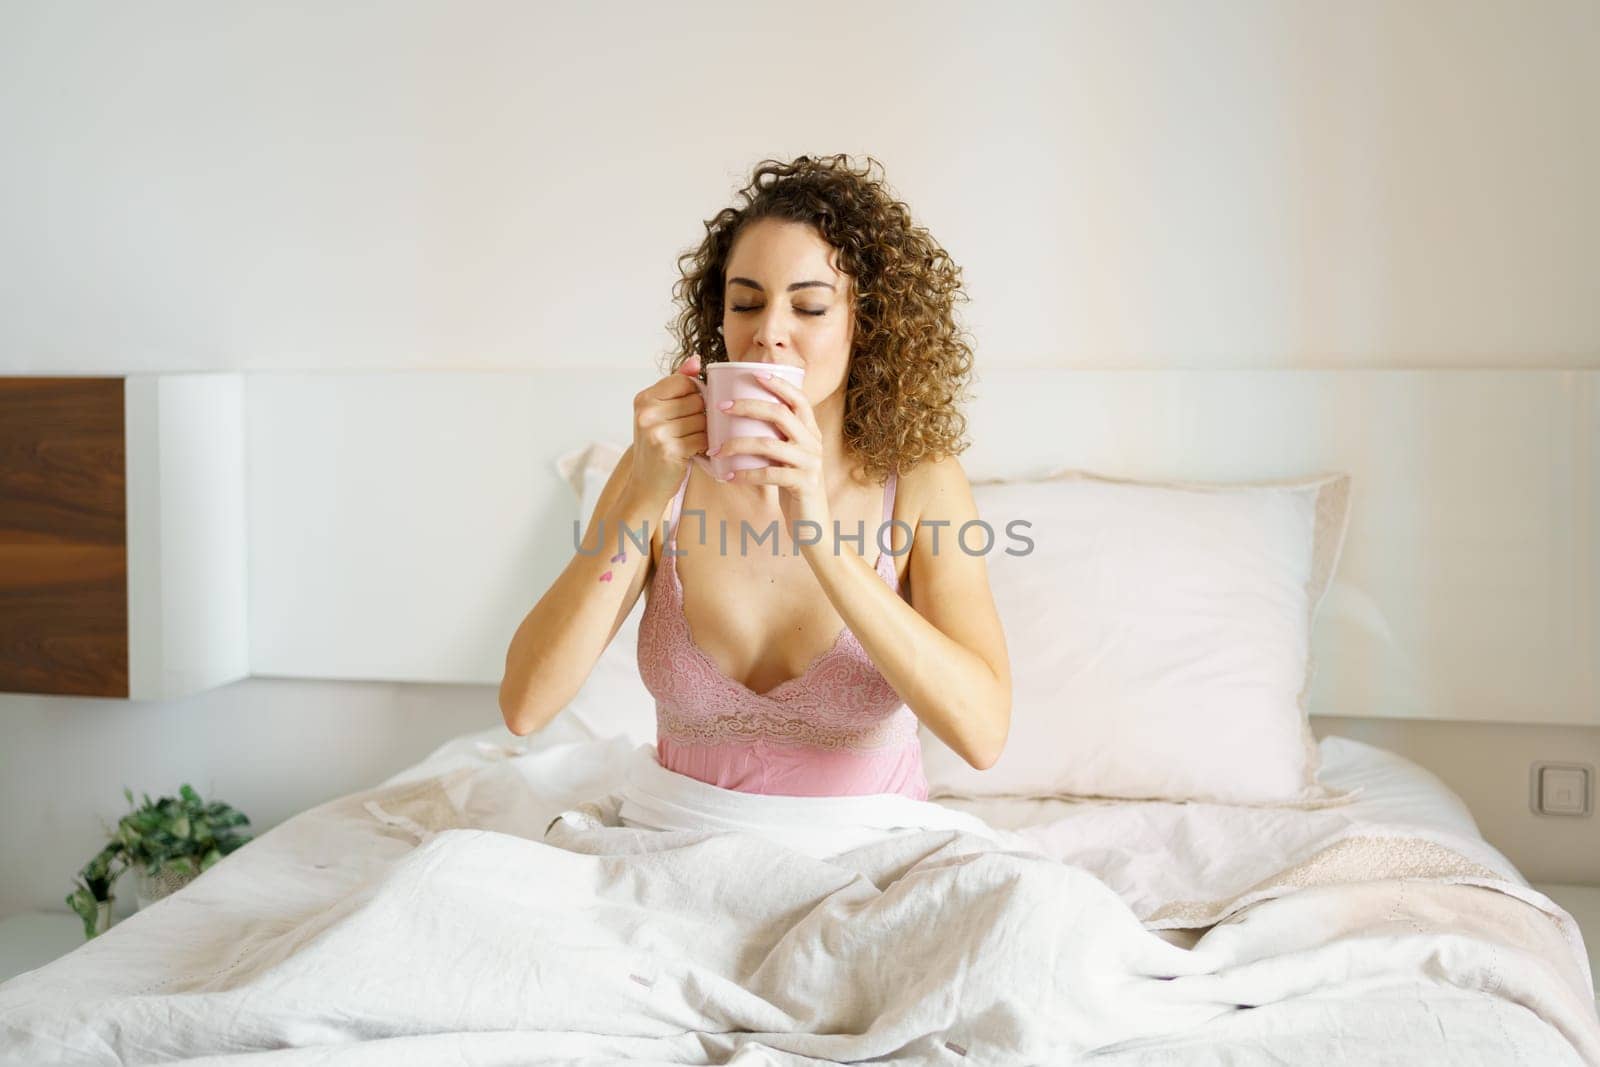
(562, 637)
(945, 652)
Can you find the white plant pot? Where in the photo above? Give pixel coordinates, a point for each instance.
(147, 890)
(102, 919)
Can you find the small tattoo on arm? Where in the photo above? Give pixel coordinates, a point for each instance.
(618, 558)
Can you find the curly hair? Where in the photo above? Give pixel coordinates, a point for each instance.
(910, 362)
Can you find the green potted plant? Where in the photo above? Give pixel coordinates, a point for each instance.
(167, 843)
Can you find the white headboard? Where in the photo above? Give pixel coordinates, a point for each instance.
(400, 524)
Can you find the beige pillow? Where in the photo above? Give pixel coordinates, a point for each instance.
(1159, 637)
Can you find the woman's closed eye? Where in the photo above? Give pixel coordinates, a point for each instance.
(802, 311)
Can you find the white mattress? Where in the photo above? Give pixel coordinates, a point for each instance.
(433, 919)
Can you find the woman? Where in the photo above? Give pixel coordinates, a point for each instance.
(803, 672)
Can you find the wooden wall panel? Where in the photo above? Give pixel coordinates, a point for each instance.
(63, 537)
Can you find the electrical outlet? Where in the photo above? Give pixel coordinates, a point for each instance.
(1561, 788)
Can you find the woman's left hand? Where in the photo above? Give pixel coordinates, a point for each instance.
(797, 468)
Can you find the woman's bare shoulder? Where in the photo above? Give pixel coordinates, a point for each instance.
(934, 489)
(934, 500)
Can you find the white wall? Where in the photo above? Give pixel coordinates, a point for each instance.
(1243, 183)
(270, 747)
(193, 186)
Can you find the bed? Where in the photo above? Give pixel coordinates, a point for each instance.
(488, 906)
(1164, 866)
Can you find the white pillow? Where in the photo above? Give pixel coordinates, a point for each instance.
(1159, 637)
(613, 700)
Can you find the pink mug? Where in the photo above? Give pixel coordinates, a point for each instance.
(739, 381)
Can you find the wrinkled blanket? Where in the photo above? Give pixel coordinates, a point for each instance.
(525, 909)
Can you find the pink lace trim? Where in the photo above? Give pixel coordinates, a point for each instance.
(840, 701)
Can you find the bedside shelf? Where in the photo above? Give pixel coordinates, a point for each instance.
(122, 535)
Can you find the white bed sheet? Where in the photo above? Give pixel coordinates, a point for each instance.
(1385, 931)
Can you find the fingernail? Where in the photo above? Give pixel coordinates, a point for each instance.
(725, 405)
(766, 374)
(714, 451)
(729, 476)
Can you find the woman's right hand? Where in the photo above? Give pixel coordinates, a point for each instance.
(669, 427)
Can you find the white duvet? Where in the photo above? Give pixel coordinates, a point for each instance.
(577, 903)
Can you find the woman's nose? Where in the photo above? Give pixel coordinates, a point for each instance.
(769, 336)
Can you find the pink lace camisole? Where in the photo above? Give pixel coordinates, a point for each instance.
(839, 729)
